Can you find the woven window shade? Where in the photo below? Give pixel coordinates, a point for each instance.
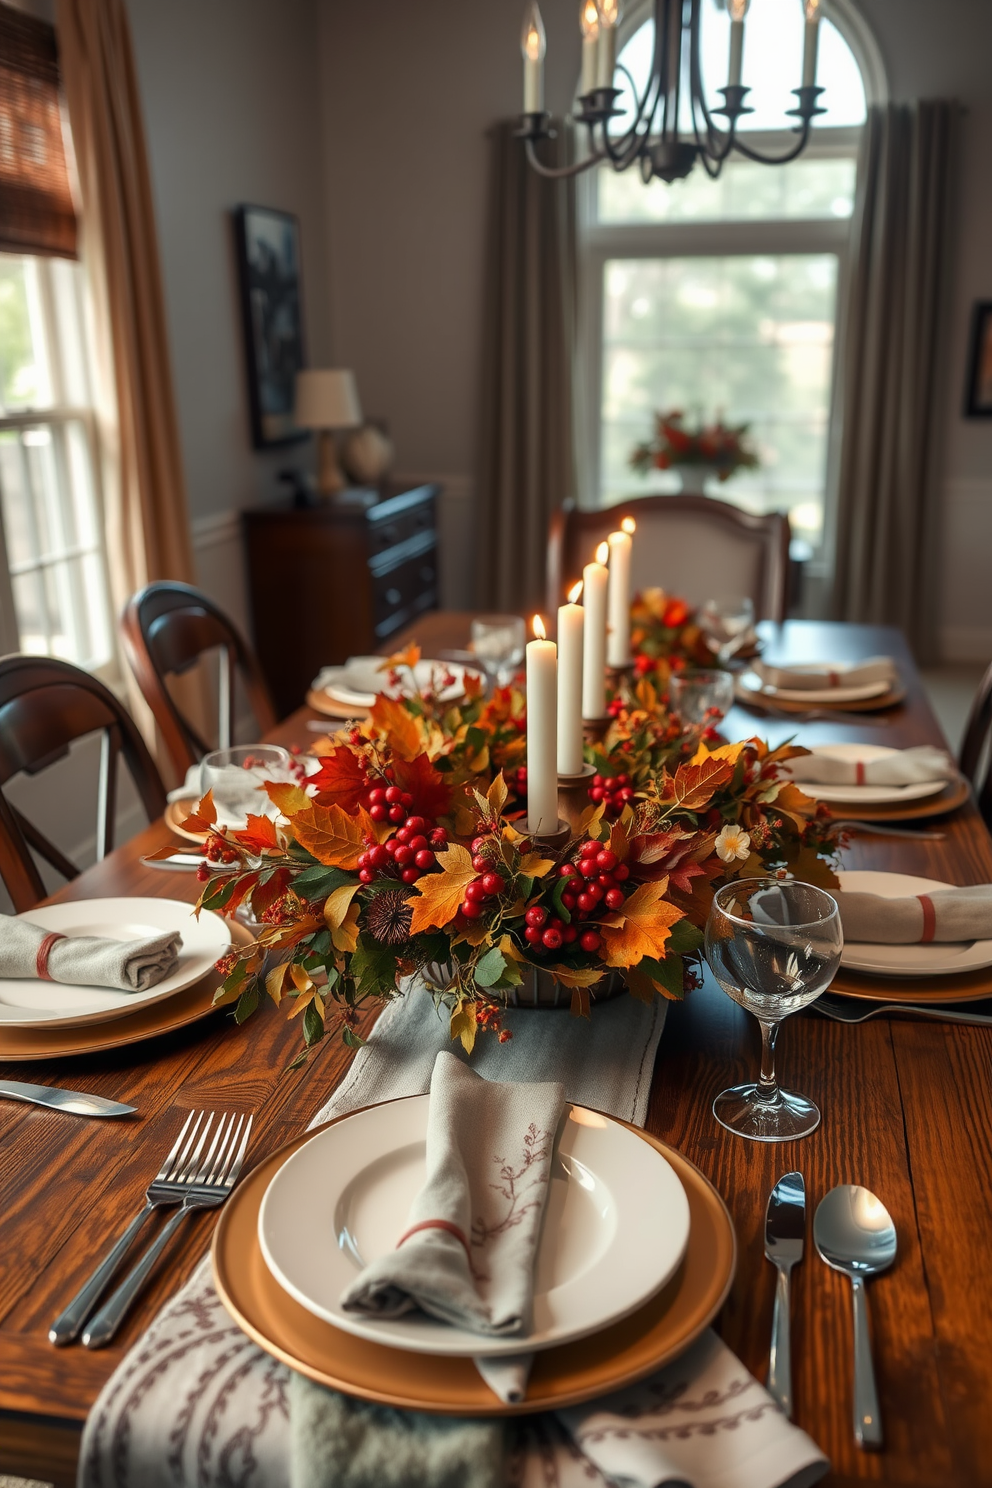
(36, 210)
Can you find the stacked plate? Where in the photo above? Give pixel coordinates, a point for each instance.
(356, 684)
(861, 697)
(879, 802)
(636, 1256)
(42, 1018)
(959, 971)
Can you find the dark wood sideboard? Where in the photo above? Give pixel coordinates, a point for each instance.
(337, 580)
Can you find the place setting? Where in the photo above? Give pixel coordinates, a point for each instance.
(349, 691)
(820, 689)
(879, 784)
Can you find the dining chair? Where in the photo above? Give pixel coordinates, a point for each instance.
(45, 705)
(166, 628)
(975, 757)
(694, 546)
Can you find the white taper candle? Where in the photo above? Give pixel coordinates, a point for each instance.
(571, 619)
(618, 604)
(542, 731)
(594, 581)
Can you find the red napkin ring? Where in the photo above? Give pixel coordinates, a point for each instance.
(438, 1224)
(929, 919)
(859, 773)
(44, 951)
(834, 678)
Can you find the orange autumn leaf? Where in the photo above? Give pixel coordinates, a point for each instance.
(646, 921)
(731, 753)
(407, 658)
(430, 791)
(439, 895)
(694, 786)
(391, 720)
(259, 834)
(204, 817)
(340, 781)
(288, 797)
(331, 835)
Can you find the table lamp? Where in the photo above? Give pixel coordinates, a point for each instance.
(327, 399)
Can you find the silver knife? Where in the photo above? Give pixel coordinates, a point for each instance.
(785, 1228)
(73, 1101)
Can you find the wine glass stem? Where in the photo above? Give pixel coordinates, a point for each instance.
(767, 1088)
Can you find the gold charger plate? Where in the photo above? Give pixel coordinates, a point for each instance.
(966, 986)
(889, 699)
(176, 813)
(189, 1006)
(955, 794)
(577, 1371)
(322, 702)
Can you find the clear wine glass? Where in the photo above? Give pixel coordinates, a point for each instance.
(701, 698)
(237, 777)
(498, 642)
(727, 624)
(773, 945)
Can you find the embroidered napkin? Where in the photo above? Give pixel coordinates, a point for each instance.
(945, 914)
(903, 767)
(818, 675)
(28, 950)
(467, 1253)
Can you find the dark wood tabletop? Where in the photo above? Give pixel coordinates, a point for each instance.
(907, 1111)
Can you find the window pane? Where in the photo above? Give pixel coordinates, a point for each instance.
(24, 376)
(749, 338)
(773, 57)
(744, 191)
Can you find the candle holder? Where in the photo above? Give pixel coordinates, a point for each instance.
(552, 841)
(573, 795)
(618, 676)
(594, 729)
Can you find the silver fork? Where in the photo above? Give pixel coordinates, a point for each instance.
(840, 1010)
(167, 1187)
(206, 1187)
(878, 829)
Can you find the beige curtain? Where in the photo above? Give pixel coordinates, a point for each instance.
(887, 525)
(148, 532)
(526, 447)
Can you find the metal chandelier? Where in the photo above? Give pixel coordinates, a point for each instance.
(652, 140)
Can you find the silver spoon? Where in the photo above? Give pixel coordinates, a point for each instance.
(854, 1233)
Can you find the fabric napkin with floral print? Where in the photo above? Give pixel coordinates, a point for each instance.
(467, 1253)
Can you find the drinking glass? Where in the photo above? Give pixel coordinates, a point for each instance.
(774, 946)
(237, 776)
(727, 624)
(498, 643)
(701, 698)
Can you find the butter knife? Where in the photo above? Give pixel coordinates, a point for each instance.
(73, 1101)
(785, 1228)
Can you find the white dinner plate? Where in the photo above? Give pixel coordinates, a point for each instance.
(615, 1229)
(866, 795)
(939, 958)
(32, 1003)
(358, 682)
(753, 684)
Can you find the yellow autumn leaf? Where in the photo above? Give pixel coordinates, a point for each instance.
(729, 752)
(438, 895)
(463, 1023)
(534, 866)
(337, 904)
(571, 976)
(479, 763)
(289, 798)
(274, 981)
(497, 794)
(647, 920)
(345, 937)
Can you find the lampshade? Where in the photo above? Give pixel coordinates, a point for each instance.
(326, 398)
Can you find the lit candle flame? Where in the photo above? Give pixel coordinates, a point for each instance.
(812, 8)
(537, 625)
(738, 9)
(629, 526)
(575, 593)
(589, 18)
(603, 553)
(609, 12)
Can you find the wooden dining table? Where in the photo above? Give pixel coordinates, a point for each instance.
(907, 1111)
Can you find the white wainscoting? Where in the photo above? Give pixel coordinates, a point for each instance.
(966, 571)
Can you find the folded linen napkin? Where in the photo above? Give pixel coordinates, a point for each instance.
(945, 914)
(903, 767)
(190, 788)
(29, 950)
(819, 675)
(467, 1254)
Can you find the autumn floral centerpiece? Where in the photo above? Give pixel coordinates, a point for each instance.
(388, 872)
(722, 448)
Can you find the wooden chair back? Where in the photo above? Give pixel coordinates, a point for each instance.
(692, 546)
(166, 629)
(44, 706)
(975, 756)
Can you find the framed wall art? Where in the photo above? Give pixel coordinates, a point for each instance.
(268, 253)
(978, 395)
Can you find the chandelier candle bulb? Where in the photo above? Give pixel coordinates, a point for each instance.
(811, 42)
(589, 25)
(738, 10)
(542, 732)
(594, 581)
(571, 621)
(609, 20)
(618, 602)
(533, 45)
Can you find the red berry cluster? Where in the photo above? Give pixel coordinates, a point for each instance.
(218, 850)
(489, 884)
(613, 790)
(594, 878)
(412, 849)
(517, 781)
(489, 1017)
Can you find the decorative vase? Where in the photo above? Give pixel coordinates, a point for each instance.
(367, 454)
(694, 478)
(539, 990)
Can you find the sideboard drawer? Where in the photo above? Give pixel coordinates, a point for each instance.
(391, 531)
(402, 593)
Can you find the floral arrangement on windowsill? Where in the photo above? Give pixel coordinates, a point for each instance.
(722, 448)
(399, 861)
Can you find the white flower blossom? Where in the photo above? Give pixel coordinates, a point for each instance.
(733, 842)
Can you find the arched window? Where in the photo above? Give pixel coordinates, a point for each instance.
(722, 297)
